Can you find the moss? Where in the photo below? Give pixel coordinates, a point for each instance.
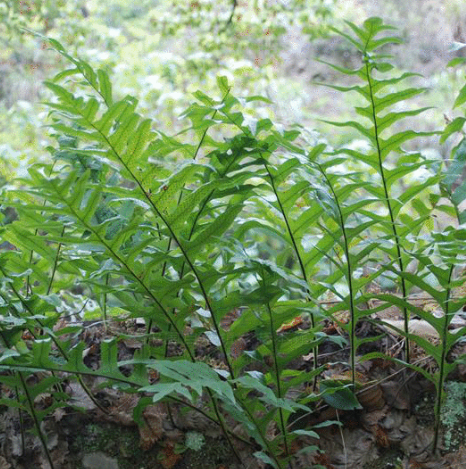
(454, 415)
(121, 443)
(213, 453)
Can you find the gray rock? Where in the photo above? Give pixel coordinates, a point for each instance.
(99, 460)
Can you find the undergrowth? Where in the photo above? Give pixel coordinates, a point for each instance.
(234, 214)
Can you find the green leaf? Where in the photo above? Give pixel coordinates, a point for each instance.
(461, 98)
(188, 203)
(222, 83)
(263, 457)
(105, 87)
(368, 133)
(455, 168)
(392, 98)
(188, 375)
(213, 229)
(390, 118)
(338, 395)
(456, 61)
(453, 127)
(394, 142)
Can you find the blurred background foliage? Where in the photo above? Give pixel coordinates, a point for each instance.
(161, 51)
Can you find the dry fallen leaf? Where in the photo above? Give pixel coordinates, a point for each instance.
(4, 464)
(457, 460)
(152, 431)
(371, 398)
(170, 458)
(122, 411)
(394, 395)
(417, 327)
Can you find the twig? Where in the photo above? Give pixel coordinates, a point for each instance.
(342, 440)
(230, 19)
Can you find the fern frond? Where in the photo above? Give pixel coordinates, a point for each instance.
(381, 120)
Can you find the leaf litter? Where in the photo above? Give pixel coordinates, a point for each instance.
(393, 427)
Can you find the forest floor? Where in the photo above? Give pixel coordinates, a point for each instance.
(393, 429)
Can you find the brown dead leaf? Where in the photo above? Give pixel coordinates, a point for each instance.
(237, 347)
(394, 395)
(148, 437)
(170, 458)
(152, 431)
(122, 411)
(369, 419)
(417, 327)
(60, 453)
(4, 464)
(79, 397)
(192, 420)
(357, 448)
(381, 437)
(59, 413)
(457, 460)
(229, 319)
(371, 398)
(417, 440)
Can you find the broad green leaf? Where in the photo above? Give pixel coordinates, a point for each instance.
(338, 395)
(461, 98)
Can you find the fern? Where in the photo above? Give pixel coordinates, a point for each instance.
(149, 241)
(231, 214)
(20, 316)
(396, 224)
(334, 198)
